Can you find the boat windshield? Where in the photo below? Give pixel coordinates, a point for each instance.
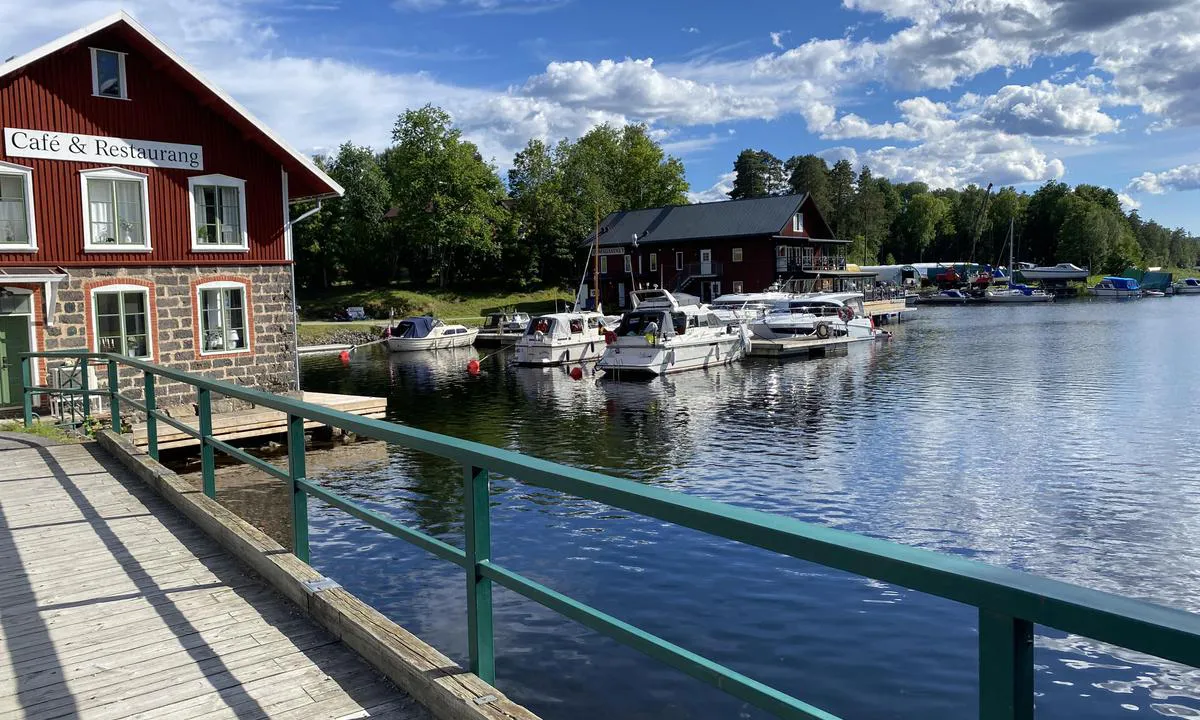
(646, 322)
(810, 308)
(543, 325)
(493, 321)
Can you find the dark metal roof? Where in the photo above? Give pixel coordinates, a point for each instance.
(730, 218)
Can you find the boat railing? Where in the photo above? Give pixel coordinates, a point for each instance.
(1009, 602)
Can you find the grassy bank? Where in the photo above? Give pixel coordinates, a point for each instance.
(457, 306)
(43, 430)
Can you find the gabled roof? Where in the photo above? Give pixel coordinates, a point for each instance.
(674, 223)
(318, 183)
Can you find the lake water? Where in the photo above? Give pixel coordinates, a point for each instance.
(1056, 439)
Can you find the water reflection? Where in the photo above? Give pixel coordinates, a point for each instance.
(1055, 439)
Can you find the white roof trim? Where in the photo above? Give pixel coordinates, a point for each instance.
(71, 38)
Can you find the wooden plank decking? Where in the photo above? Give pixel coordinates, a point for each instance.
(113, 605)
(257, 422)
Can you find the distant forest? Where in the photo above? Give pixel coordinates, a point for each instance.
(429, 209)
(910, 222)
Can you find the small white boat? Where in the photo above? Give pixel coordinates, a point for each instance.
(1018, 294)
(822, 315)
(1118, 287)
(1190, 286)
(667, 333)
(1061, 271)
(945, 297)
(426, 333)
(558, 338)
(502, 328)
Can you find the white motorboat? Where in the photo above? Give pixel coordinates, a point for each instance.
(426, 333)
(1190, 286)
(1118, 287)
(669, 334)
(558, 338)
(819, 314)
(502, 328)
(1018, 294)
(750, 306)
(1061, 271)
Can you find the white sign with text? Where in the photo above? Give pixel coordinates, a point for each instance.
(47, 145)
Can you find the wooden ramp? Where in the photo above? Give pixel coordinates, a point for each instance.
(257, 422)
(112, 605)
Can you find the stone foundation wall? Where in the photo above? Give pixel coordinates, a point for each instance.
(268, 364)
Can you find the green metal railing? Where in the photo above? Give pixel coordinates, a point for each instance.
(1009, 602)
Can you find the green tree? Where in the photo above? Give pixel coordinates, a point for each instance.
(543, 217)
(1095, 236)
(758, 173)
(450, 201)
(919, 223)
(841, 194)
(1043, 220)
(809, 174)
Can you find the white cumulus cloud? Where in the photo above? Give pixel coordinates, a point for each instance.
(1184, 177)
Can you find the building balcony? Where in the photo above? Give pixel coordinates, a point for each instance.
(811, 264)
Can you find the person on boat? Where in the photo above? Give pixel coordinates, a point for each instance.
(651, 331)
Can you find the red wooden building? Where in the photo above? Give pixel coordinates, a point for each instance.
(708, 249)
(144, 212)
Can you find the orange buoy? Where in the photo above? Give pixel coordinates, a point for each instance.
(473, 366)
(345, 356)
(576, 373)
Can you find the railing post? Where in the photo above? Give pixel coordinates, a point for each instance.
(479, 589)
(1005, 667)
(114, 400)
(208, 461)
(297, 471)
(26, 393)
(151, 421)
(85, 388)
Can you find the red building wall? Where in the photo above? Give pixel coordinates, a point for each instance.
(55, 94)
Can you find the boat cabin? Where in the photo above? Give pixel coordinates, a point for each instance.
(564, 326)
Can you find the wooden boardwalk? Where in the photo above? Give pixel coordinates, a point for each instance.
(112, 605)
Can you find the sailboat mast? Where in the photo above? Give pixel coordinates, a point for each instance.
(596, 263)
(1010, 251)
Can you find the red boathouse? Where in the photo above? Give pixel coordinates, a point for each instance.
(143, 212)
(708, 249)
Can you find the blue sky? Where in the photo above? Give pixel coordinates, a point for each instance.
(945, 91)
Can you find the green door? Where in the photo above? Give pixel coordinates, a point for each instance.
(14, 340)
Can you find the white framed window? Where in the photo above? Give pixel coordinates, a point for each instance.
(604, 264)
(737, 255)
(121, 320)
(18, 230)
(737, 286)
(798, 222)
(116, 211)
(218, 212)
(678, 261)
(653, 262)
(108, 74)
(628, 263)
(223, 323)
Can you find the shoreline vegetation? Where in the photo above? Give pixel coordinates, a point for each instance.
(317, 309)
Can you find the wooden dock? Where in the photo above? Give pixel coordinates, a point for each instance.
(257, 422)
(113, 605)
(799, 348)
(886, 311)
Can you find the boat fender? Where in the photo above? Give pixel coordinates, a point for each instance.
(822, 331)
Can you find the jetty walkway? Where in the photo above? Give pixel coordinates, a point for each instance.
(122, 592)
(114, 605)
